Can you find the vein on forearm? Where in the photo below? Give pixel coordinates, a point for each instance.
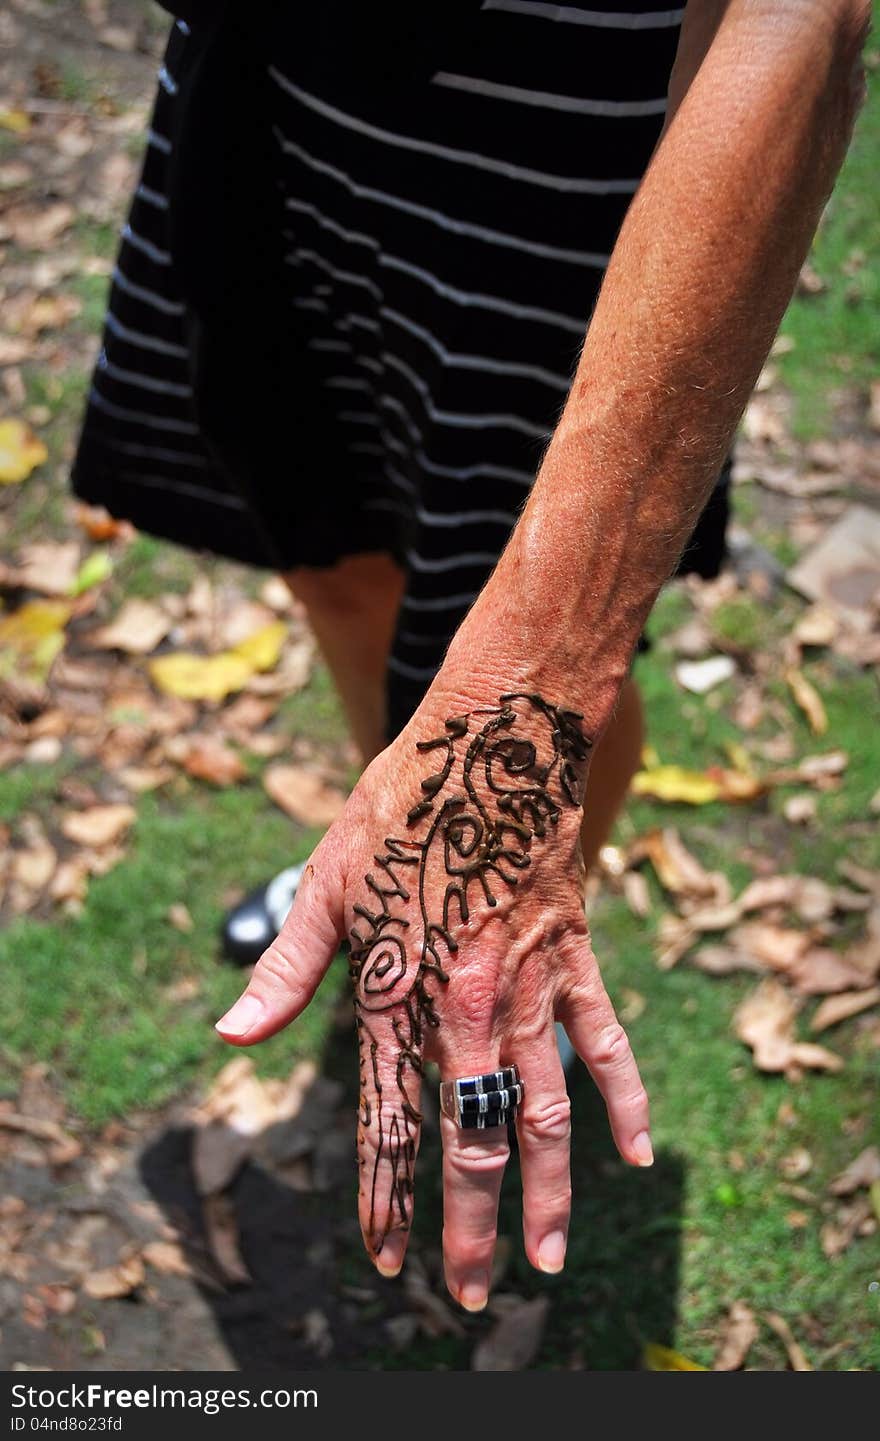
(705, 263)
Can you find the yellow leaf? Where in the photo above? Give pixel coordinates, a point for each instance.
(262, 649)
(201, 677)
(213, 677)
(674, 783)
(874, 1194)
(808, 698)
(20, 451)
(663, 1358)
(18, 121)
(31, 637)
(94, 569)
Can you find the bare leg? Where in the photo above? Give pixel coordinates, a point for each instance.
(352, 609)
(617, 758)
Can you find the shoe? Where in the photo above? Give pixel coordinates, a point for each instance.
(255, 922)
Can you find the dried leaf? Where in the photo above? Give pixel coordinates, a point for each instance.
(837, 1235)
(765, 1022)
(796, 1357)
(809, 700)
(799, 810)
(514, 1340)
(99, 825)
(99, 524)
(180, 917)
(863, 1171)
(210, 759)
(115, 1281)
(740, 1332)
(138, 628)
(63, 1148)
(213, 677)
(698, 788)
(31, 638)
(435, 1316)
(168, 1258)
(677, 869)
(48, 566)
(843, 569)
(700, 676)
(303, 794)
(38, 227)
(663, 1358)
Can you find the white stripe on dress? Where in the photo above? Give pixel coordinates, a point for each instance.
(185, 487)
(152, 197)
(450, 562)
(414, 672)
(146, 342)
(453, 518)
(149, 297)
(598, 19)
(345, 277)
(460, 361)
(158, 142)
(157, 452)
(141, 417)
(567, 184)
(491, 302)
(477, 421)
(141, 381)
(545, 100)
(140, 242)
(436, 217)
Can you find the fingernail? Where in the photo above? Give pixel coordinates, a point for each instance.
(551, 1253)
(389, 1259)
(242, 1018)
(643, 1150)
(474, 1294)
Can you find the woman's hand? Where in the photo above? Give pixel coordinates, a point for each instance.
(455, 871)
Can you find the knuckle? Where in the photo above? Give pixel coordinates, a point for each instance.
(611, 1048)
(466, 1253)
(550, 1121)
(477, 1162)
(276, 964)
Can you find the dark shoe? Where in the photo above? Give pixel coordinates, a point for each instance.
(255, 922)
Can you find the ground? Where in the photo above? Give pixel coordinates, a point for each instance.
(154, 1216)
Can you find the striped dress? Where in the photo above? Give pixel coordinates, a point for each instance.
(362, 340)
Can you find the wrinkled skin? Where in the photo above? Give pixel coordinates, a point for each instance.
(489, 993)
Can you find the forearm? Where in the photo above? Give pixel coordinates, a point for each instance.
(705, 264)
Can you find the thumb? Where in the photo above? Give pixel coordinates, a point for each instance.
(289, 972)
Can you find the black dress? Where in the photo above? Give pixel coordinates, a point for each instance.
(355, 279)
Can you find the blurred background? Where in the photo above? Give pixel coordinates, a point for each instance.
(169, 738)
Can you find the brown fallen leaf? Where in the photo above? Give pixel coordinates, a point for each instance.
(677, 869)
(180, 917)
(168, 1258)
(797, 1358)
(38, 227)
(636, 893)
(221, 1234)
(113, 1282)
(303, 794)
(841, 1007)
(796, 1163)
(765, 1022)
(799, 810)
(138, 628)
(145, 778)
(435, 1316)
(514, 1340)
(63, 1148)
(810, 897)
(98, 826)
(861, 1172)
(837, 1235)
(739, 1334)
(99, 524)
(208, 758)
(821, 971)
(808, 698)
(50, 567)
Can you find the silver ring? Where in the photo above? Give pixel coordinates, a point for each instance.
(478, 1103)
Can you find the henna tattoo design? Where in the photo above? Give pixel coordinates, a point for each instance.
(512, 787)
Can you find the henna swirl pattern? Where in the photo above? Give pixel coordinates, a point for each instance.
(507, 780)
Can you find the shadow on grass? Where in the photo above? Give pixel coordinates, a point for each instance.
(316, 1303)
